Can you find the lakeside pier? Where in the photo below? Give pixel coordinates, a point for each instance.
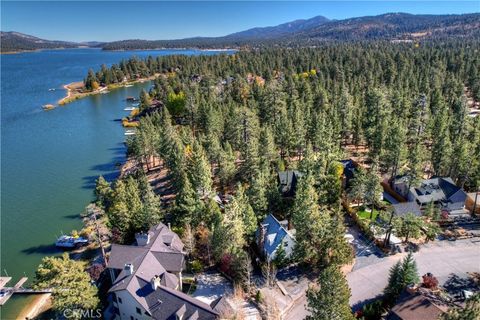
(7, 292)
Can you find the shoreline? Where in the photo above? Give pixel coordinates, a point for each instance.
(73, 87)
(40, 304)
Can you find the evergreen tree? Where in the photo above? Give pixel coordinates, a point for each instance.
(226, 165)
(408, 226)
(401, 275)
(71, 285)
(330, 301)
(200, 171)
(103, 193)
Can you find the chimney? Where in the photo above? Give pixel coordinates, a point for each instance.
(412, 288)
(155, 282)
(142, 239)
(128, 268)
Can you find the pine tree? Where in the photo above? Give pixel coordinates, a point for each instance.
(103, 193)
(331, 300)
(200, 171)
(409, 270)
(441, 147)
(310, 225)
(145, 100)
(226, 165)
(401, 275)
(358, 186)
(394, 286)
(91, 82)
(71, 285)
(240, 206)
(408, 226)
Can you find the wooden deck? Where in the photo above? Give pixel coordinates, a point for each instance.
(7, 292)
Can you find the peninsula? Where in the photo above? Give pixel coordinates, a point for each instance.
(78, 90)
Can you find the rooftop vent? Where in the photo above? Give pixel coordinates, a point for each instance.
(155, 282)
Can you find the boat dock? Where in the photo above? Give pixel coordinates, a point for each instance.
(7, 292)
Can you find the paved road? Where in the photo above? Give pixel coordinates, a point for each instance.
(447, 260)
(442, 258)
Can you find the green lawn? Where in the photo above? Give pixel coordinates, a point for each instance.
(366, 215)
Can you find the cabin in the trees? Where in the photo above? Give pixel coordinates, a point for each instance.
(147, 279)
(273, 235)
(287, 182)
(349, 168)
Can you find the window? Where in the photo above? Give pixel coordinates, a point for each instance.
(119, 300)
(139, 311)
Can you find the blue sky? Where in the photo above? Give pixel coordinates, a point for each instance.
(116, 20)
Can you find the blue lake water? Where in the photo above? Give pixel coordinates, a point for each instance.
(50, 159)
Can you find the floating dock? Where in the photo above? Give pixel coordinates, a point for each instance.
(7, 292)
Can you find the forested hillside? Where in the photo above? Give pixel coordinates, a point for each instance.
(317, 30)
(228, 123)
(16, 41)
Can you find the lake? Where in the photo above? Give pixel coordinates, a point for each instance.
(50, 159)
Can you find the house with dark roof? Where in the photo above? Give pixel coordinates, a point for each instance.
(272, 234)
(287, 182)
(147, 280)
(402, 208)
(442, 191)
(420, 304)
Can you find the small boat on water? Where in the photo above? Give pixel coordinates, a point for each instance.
(131, 99)
(135, 104)
(129, 132)
(129, 109)
(70, 242)
(48, 107)
(129, 85)
(52, 89)
(104, 92)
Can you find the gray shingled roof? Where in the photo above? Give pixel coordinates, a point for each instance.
(161, 256)
(223, 307)
(402, 208)
(417, 306)
(164, 303)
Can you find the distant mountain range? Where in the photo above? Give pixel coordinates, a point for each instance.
(390, 26)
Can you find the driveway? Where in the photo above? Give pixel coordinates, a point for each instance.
(366, 252)
(444, 259)
(211, 286)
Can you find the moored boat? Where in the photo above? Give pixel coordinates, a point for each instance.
(70, 242)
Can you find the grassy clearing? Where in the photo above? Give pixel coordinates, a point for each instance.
(362, 214)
